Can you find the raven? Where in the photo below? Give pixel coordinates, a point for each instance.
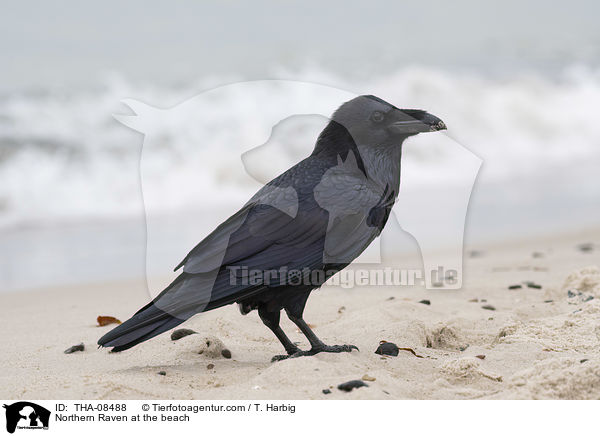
(296, 232)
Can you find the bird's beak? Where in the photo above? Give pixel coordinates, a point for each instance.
(415, 121)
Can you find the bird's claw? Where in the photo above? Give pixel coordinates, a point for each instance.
(281, 357)
(316, 350)
(337, 349)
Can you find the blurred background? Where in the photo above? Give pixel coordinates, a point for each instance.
(516, 82)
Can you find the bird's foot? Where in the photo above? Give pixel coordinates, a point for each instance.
(315, 350)
(279, 357)
(334, 349)
(290, 353)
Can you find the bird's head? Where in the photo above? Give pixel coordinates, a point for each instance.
(373, 121)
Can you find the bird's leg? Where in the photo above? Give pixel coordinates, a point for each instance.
(271, 320)
(317, 346)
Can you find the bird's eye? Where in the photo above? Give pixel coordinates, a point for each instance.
(377, 117)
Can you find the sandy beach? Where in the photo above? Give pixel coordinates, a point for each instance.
(528, 343)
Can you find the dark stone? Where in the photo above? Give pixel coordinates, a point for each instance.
(74, 348)
(181, 333)
(387, 349)
(162, 373)
(226, 353)
(352, 384)
(534, 285)
(515, 287)
(326, 391)
(210, 366)
(427, 302)
(488, 307)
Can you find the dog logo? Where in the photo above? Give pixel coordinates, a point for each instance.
(26, 415)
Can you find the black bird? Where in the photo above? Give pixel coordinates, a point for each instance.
(296, 232)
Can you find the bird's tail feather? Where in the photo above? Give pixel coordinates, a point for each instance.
(148, 322)
(178, 302)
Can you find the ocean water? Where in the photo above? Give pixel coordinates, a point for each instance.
(64, 157)
(71, 205)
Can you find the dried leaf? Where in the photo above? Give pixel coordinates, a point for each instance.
(106, 320)
(412, 351)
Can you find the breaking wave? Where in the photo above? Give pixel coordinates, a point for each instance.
(63, 157)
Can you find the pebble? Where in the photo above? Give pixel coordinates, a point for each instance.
(226, 353)
(326, 391)
(583, 298)
(181, 333)
(586, 248)
(162, 373)
(367, 377)
(352, 384)
(427, 302)
(387, 349)
(210, 366)
(74, 348)
(515, 287)
(480, 356)
(488, 307)
(534, 285)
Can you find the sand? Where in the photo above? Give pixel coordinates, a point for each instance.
(536, 344)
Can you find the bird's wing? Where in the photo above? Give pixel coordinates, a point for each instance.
(273, 219)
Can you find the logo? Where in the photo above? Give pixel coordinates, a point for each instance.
(239, 136)
(26, 415)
